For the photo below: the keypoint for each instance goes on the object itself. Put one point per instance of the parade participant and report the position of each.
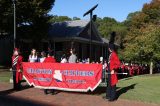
(43, 56)
(113, 66)
(33, 56)
(63, 59)
(16, 68)
(49, 59)
(123, 67)
(131, 70)
(73, 57)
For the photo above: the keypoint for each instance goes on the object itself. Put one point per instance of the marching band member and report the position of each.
(16, 67)
(114, 64)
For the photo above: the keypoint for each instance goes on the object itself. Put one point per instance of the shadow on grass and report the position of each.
(125, 89)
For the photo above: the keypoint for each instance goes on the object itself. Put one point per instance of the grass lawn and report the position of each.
(5, 76)
(145, 88)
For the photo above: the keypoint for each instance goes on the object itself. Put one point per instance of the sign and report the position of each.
(63, 76)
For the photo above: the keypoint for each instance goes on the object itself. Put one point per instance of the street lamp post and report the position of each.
(14, 12)
(91, 15)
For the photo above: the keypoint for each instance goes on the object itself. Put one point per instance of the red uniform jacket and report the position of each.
(114, 65)
(49, 60)
(18, 67)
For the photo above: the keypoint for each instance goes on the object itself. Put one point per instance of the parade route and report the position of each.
(35, 97)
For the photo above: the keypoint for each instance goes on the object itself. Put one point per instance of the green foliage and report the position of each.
(143, 36)
(76, 18)
(32, 17)
(60, 19)
(144, 40)
(107, 25)
(6, 16)
(56, 18)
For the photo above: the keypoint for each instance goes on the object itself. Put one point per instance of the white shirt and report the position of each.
(32, 59)
(42, 59)
(64, 60)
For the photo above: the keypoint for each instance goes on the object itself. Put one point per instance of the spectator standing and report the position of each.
(33, 56)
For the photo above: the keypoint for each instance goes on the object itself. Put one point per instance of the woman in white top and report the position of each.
(43, 56)
(33, 56)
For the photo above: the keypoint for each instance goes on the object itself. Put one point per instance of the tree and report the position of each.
(76, 18)
(142, 39)
(31, 17)
(60, 19)
(130, 17)
(107, 25)
(5, 17)
(153, 11)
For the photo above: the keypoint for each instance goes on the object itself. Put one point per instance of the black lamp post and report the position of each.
(14, 12)
(91, 15)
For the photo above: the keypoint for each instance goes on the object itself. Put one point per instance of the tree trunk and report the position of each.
(151, 67)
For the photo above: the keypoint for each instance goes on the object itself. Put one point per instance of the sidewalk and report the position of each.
(35, 97)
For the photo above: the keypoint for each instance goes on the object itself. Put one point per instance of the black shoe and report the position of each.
(52, 91)
(45, 92)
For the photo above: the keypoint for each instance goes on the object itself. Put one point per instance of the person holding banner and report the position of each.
(43, 56)
(49, 59)
(63, 59)
(33, 56)
(73, 57)
(16, 68)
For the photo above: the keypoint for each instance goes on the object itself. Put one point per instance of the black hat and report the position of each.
(111, 41)
(112, 37)
(111, 46)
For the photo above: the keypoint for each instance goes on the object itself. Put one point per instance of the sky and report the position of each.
(118, 9)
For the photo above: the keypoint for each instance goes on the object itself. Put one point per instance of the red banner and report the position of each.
(68, 77)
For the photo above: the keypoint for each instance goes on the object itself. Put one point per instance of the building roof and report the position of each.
(78, 30)
(106, 41)
(67, 28)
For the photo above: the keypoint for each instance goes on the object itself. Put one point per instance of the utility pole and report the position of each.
(90, 11)
(14, 12)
